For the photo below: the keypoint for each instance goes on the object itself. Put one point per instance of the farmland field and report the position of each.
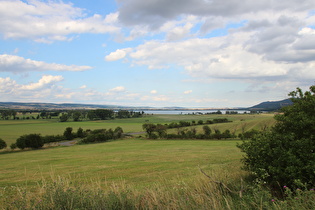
(136, 161)
(10, 130)
(155, 168)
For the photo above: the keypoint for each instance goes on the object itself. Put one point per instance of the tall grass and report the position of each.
(62, 193)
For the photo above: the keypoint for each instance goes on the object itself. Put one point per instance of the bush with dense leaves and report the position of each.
(102, 135)
(285, 156)
(3, 144)
(34, 141)
(53, 138)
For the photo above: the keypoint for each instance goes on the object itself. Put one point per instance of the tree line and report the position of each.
(36, 141)
(66, 115)
(154, 131)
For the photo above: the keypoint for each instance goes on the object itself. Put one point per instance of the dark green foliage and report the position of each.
(206, 130)
(103, 114)
(64, 117)
(68, 133)
(81, 133)
(102, 135)
(161, 130)
(53, 138)
(76, 116)
(155, 131)
(3, 144)
(118, 132)
(286, 154)
(248, 134)
(13, 146)
(34, 141)
(220, 120)
(123, 114)
(149, 128)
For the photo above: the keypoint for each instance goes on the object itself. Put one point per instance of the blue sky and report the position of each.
(190, 53)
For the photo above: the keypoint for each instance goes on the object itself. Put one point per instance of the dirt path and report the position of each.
(68, 143)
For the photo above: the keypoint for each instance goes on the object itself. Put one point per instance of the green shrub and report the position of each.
(68, 133)
(285, 156)
(34, 141)
(3, 144)
(13, 146)
(53, 138)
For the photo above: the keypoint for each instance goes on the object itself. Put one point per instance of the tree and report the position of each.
(76, 116)
(13, 146)
(104, 114)
(123, 114)
(80, 133)
(206, 130)
(68, 133)
(161, 130)
(34, 141)
(64, 117)
(118, 132)
(149, 128)
(285, 155)
(3, 144)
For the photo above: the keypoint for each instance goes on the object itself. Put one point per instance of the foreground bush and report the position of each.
(285, 156)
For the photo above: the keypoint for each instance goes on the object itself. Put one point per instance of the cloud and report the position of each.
(248, 41)
(7, 86)
(83, 87)
(153, 92)
(17, 64)
(156, 13)
(118, 89)
(187, 91)
(50, 21)
(45, 89)
(45, 81)
(118, 54)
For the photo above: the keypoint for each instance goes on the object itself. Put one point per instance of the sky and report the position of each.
(157, 53)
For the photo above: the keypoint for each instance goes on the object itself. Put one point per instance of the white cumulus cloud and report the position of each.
(47, 21)
(45, 81)
(16, 64)
(187, 91)
(117, 55)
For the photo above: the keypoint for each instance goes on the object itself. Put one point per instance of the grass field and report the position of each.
(10, 130)
(136, 161)
(135, 173)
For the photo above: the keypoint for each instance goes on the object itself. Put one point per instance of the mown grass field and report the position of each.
(10, 130)
(134, 173)
(136, 161)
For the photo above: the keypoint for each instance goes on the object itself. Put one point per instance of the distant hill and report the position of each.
(271, 105)
(52, 106)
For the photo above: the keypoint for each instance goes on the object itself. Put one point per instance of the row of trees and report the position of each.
(36, 141)
(75, 115)
(155, 131)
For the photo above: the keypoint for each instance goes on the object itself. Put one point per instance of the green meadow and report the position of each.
(10, 130)
(136, 161)
(134, 172)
